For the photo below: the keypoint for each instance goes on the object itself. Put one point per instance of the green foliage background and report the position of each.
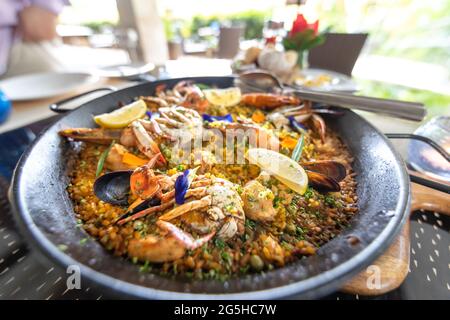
(408, 29)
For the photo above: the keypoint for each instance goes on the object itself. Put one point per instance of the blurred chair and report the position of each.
(229, 39)
(338, 53)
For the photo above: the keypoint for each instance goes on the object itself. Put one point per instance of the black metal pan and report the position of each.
(45, 214)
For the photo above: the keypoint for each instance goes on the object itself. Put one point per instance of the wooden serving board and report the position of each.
(390, 270)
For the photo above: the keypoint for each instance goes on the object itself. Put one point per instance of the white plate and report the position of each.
(44, 85)
(339, 81)
(125, 70)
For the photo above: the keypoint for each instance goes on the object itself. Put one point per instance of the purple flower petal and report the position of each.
(297, 126)
(209, 118)
(181, 187)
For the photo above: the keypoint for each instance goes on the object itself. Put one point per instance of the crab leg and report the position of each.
(302, 117)
(160, 102)
(153, 126)
(172, 100)
(145, 212)
(97, 135)
(197, 188)
(171, 246)
(172, 133)
(184, 237)
(160, 90)
(292, 111)
(166, 120)
(187, 207)
(167, 200)
(180, 116)
(145, 142)
(319, 124)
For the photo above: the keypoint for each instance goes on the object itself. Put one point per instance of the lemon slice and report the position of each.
(223, 97)
(281, 167)
(122, 117)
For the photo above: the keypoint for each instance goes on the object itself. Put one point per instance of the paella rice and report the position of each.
(214, 219)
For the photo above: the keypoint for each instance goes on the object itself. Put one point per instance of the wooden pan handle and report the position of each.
(425, 198)
(393, 265)
(387, 272)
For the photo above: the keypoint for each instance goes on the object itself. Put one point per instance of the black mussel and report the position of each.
(322, 182)
(113, 187)
(329, 168)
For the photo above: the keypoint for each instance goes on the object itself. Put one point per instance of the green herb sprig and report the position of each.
(101, 160)
(297, 153)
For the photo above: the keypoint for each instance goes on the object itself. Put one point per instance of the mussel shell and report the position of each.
(322, 182)
(113, 187)
(329, 168)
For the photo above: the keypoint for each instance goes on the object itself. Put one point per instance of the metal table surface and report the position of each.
(24, 274)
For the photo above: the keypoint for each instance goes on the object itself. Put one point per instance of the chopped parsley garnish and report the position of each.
(309, 193)
(101, 160)
(226, 257)
(146, 267)
(330, 201)
(250, 224)
(219, 243)
(244, 269)
(276, 202)
(299, 233)
(317, 214)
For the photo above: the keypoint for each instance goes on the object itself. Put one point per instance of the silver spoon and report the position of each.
(265, 82)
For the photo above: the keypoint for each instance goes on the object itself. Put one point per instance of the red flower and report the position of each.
(300, 24)
(271, 40)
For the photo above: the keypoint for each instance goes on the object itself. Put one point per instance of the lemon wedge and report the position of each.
(122, 117)
(281, 167)
(223, 97)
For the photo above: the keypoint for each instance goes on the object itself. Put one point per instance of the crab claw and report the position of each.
(188, 241)
(143, 181)
(145, 142)
(172, 245)
(320, 126)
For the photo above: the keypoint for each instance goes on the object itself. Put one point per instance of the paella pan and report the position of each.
(150, 196)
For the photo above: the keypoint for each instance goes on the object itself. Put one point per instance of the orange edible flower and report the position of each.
(289, 143)
(132, 160)
(258, 116)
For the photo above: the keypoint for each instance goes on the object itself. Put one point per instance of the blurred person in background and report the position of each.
(28, 36)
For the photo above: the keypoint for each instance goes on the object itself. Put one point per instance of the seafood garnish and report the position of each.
(209, 118)
(209, 183)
